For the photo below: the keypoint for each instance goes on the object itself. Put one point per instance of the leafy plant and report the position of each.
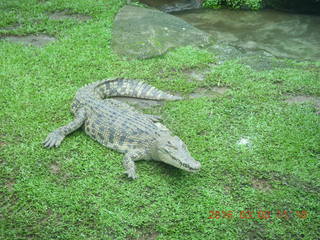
(212, 4)
(236, 4)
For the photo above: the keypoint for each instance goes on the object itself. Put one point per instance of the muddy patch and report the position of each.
(10, 27)
(10, 185)
(62, 176)
(227, 189)
(140, 103)
(261, 184)
(196, 76)
(304, 99)
(257, 231)
(260, 61)
(54, 168)
(34, 40)
(149, 236)
(209, 92)
(199, 74)
(67, 15)
(282, 179)
(47, 216)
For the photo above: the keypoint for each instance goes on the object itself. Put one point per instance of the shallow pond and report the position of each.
(278, 33)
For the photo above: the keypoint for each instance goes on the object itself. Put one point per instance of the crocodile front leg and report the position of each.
(129, 165)
(55, 138)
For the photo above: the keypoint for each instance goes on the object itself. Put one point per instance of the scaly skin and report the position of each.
(119, 126)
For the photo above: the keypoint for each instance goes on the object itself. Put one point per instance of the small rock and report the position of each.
(244, 141)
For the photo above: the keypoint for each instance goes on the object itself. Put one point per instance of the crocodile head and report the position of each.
(173, 151)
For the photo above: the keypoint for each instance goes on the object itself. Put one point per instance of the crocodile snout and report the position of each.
(195, 166)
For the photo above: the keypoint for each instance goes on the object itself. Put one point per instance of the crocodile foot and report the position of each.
(131, 174)
(54, 139)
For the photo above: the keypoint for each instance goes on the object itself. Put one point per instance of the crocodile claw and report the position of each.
(131, 174)
(54, 139)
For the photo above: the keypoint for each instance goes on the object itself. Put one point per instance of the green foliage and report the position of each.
(253, 4)
(236, 4)
(212, 4)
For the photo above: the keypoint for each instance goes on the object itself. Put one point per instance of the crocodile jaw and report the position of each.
(173, 151)
(188, 164)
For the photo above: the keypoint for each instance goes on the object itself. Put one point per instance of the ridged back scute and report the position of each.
(121, 87)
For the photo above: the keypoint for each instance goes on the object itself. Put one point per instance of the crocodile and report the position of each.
(121, 127)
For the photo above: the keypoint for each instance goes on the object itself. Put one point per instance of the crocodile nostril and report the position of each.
(197, 165)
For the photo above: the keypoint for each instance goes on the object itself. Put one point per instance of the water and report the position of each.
(278, 33)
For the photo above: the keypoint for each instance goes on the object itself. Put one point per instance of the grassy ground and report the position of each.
(79, 191)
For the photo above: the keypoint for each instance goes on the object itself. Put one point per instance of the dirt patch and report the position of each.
(47, 217)
(149, 236)
(304, 99)
(54, 168)
(257, 232)
(140, 103)
(62, 176)
(9, 185)
(197, 75)
(227, 189)
(285, 180)
(67, 15)
(220, 90)
(2, 144)
(209, 92)
(261, 184)
(35, 40)
(10, 27)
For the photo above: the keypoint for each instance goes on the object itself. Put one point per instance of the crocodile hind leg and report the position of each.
(129, 165)
(55, 138)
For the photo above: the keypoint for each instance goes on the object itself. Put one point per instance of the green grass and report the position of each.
(79, 191)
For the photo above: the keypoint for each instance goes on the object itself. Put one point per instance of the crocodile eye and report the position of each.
(171, 146)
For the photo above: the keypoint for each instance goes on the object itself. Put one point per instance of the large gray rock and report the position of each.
(145, 33)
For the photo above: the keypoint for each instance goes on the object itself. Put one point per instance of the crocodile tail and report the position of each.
(131, 88)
